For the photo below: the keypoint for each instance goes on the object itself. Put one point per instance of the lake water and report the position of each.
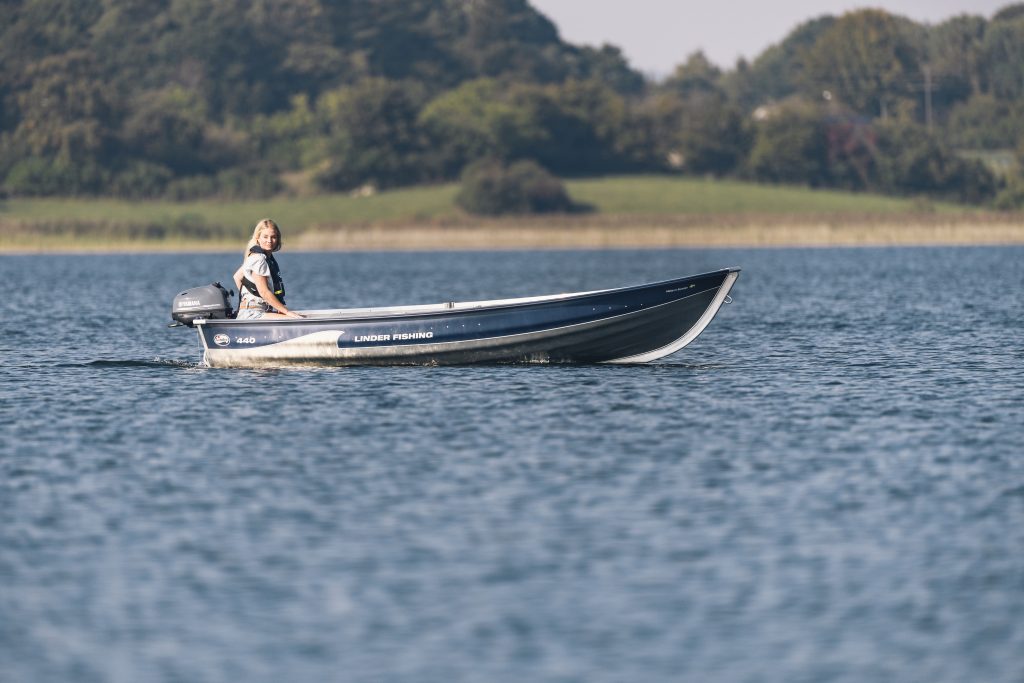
(828, 485)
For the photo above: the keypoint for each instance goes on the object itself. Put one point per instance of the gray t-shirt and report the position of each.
(255, 264)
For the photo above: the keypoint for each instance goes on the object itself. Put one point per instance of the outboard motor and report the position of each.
(209, 301)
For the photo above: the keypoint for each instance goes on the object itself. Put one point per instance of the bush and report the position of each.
(913, 161)
(142, 180)
(791, 146)
(191, 187)
(1011, 197)
(247, 183)
(490, 188)
(36, 177)
(713, 138)
(234, 183)
(984, 122)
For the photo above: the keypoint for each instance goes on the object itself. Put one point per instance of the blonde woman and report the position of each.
(259, 283)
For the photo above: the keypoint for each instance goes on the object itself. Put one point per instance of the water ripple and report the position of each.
(826, 486)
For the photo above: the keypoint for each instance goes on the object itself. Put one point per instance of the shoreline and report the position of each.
(588, 232)
(612, 234)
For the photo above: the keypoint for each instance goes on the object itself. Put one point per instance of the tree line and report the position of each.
(242, 98)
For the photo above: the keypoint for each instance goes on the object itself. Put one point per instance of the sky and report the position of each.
(656, 35)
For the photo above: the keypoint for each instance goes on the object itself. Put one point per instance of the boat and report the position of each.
(634, 324)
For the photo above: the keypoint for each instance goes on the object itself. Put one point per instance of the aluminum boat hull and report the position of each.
(626, 325)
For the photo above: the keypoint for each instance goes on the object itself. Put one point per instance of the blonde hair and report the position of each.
(260, 227)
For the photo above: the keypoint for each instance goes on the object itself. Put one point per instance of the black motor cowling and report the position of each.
(209, 301)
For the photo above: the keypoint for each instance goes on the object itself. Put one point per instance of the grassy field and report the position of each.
(646, 195)
(642, 210)
(422, 203)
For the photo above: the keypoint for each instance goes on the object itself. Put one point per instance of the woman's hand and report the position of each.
(293, 314)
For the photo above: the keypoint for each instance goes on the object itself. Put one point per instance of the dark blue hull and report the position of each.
(632, 324)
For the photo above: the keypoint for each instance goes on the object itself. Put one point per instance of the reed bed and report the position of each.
(562, 232)
(740, 230)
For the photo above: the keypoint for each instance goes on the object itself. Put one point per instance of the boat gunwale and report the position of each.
(447, 308)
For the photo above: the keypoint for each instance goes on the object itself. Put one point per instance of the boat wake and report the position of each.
(155, 363)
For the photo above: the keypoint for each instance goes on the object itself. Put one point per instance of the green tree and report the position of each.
(955, 57)
(1010, 12)
(478, 120)
(695, 77)
(63, 130)
(400, 40)
(791, 146)
(1003, 55)
(605, 65)
(169, 127)
(660, 114)
(289, 139)
(579, 127)
(867, 59)
(510, 38)
(709, 134)
(913, 161)
(65, 113)
(596, 130)
(373, 134)
(713, 137)
(777, 72)
(985, 122)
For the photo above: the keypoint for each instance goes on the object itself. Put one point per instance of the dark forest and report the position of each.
(229, 98)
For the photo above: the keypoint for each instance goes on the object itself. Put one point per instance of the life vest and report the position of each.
(275, 275)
